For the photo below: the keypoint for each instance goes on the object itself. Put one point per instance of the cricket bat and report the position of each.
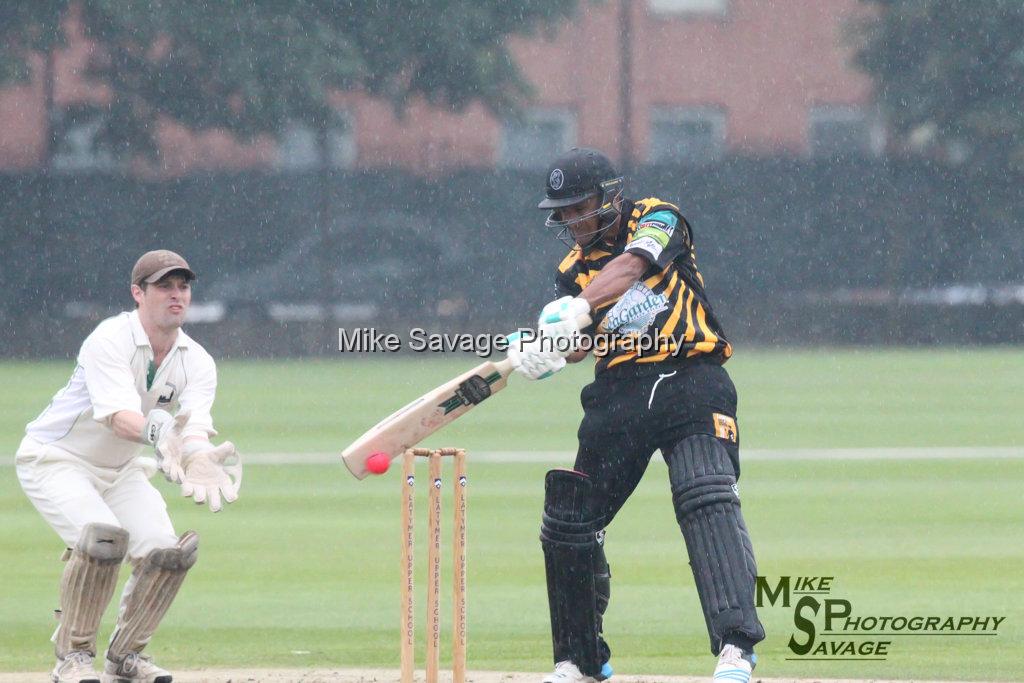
(407, 426)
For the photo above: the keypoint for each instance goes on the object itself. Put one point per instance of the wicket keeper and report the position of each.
(139, 380)
(659, 385)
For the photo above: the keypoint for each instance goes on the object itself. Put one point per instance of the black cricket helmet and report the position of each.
(574, 177)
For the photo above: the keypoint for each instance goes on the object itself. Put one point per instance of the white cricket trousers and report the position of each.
(70, 493)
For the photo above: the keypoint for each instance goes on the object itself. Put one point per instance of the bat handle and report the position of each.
(505, 366)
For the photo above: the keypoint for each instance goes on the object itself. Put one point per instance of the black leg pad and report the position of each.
(568, 536)
(707, 508)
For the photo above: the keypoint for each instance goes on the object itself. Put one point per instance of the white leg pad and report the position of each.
(149, 593)
(87, 586)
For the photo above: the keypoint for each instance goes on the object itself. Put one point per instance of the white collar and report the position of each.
(142, 339)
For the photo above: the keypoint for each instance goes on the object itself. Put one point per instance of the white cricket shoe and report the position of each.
(135, 668)
(734, 666)
(75, 668)
(567, 672)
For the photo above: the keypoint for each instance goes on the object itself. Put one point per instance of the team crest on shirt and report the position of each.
(635, 310)
(166, 394)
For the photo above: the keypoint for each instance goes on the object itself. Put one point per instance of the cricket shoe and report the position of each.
(134, 668)
(567, 672)
(734, 666)
(75, 668)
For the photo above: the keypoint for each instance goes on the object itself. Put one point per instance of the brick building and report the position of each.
(702, 78)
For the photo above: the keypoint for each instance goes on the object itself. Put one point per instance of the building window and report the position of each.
(843, 130)
(686, 135)
(298, 149)
(531, 142)
(689, 6)
(77, 145)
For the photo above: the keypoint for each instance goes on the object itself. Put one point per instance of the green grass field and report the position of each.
(303, 570)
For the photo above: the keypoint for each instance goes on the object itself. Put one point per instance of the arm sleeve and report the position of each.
(108, 378)
(565, 285)
(198, 395)
(660, 237)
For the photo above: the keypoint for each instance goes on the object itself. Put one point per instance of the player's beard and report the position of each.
(169, 321)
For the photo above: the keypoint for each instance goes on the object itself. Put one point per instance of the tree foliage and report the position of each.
(27, 26)
(950, 74)
(252, 66)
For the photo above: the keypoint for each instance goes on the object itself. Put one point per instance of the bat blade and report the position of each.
(414, 422)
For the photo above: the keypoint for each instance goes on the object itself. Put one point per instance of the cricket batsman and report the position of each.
(139, 381)
(659, 385)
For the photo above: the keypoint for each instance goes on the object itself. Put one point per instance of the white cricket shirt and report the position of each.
(114, 373)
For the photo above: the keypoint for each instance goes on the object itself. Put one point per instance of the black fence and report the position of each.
(793, 251)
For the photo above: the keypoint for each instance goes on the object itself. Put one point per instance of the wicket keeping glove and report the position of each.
(533, 359)
(210, 473)
(164, 433)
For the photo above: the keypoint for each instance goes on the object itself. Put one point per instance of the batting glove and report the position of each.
(533, 359)
(561, 320)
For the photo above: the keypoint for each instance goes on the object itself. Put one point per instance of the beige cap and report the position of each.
(153, 265)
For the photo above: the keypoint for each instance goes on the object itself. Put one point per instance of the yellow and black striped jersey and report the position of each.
(664, 318)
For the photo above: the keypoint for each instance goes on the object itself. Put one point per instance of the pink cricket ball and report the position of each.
(378, 462)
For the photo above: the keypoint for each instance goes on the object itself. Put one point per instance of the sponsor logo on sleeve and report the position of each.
(647, 243)
(655, 234)
(664, 221)
(664, 227)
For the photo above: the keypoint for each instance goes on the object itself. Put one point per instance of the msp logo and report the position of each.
(828, 628)
(635, 310)
(556, 179)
